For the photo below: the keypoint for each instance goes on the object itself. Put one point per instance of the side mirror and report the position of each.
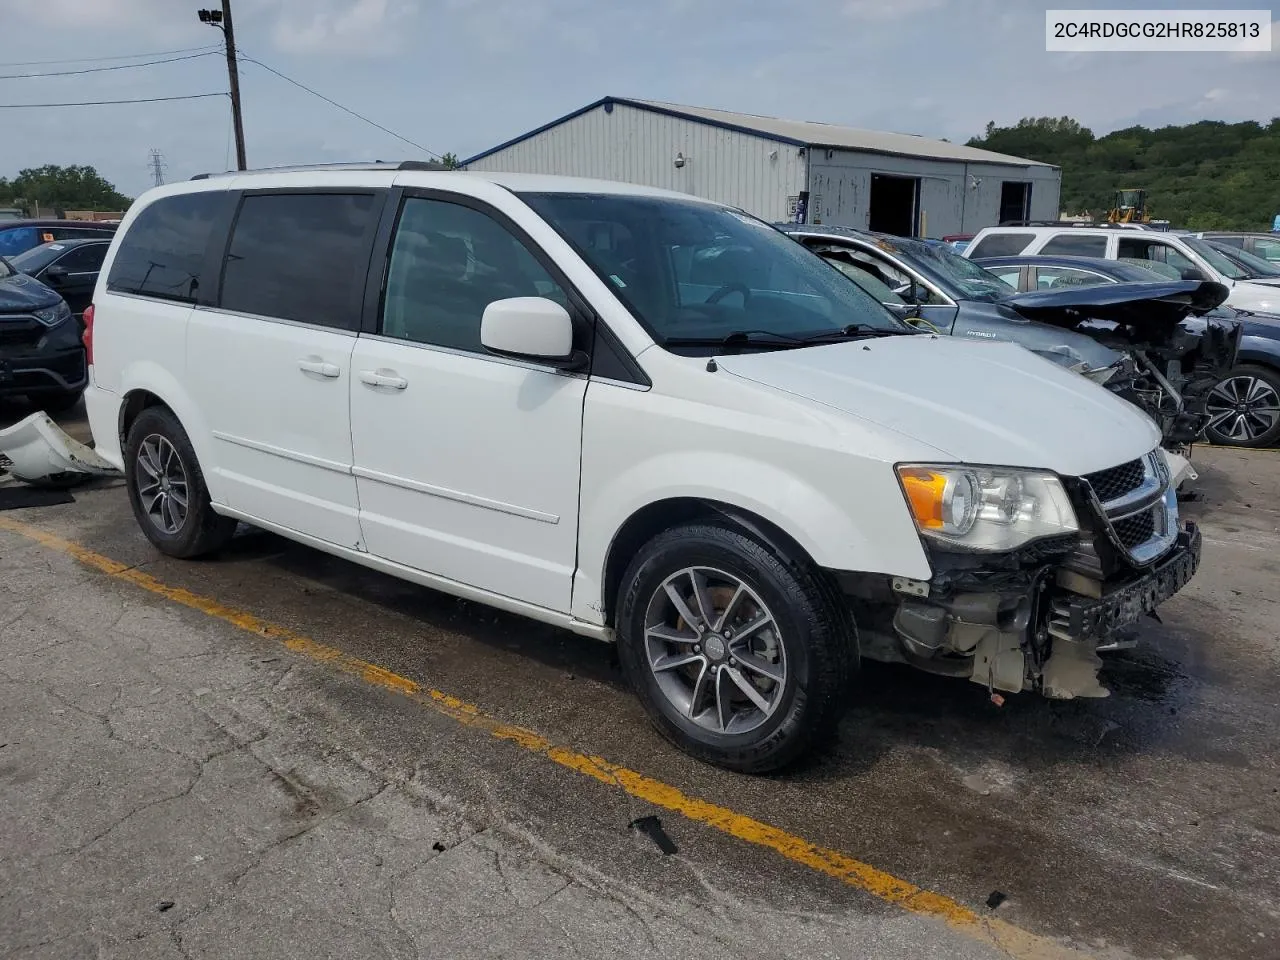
(531, 328)
(55, 276)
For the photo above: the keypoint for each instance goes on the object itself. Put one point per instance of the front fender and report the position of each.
(862, 524)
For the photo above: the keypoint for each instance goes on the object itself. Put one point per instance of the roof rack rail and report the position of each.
(366, 165)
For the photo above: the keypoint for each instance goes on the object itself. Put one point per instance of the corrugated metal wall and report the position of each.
(840, 190)
(639, 146)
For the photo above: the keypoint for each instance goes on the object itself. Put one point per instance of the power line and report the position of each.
(103, 103)
(126, 56)
(120, 66)
(335, 103)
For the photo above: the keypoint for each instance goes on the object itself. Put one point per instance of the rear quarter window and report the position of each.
(162, 253)
(301, 256)
(1000, 245)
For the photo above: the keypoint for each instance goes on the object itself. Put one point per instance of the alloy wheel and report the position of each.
(715, 650)
(1243, 408)
(161, 482)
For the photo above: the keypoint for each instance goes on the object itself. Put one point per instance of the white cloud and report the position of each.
(883, 11)
(354, 27)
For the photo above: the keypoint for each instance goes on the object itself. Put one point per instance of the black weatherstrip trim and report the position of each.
(215, 252)
(379, 256)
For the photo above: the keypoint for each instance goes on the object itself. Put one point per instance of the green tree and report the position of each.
(1206, 175)
(450, 160)
(53, 187)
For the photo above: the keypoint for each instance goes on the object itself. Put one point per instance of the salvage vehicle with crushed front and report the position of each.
(637, 415)
(1150, 342)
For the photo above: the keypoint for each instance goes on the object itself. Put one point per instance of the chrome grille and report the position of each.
(1141, 507)
(1115, 482)
(1135, 530)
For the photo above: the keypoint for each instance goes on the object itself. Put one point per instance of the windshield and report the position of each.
(694, 271)
(974, 282)
(1215, 259)
(1253, 265)
(37, 258)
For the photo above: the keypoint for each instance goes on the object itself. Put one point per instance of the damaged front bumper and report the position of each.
(38, 452)
(1037, 617)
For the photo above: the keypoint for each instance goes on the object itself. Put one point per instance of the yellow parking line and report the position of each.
(993, 931)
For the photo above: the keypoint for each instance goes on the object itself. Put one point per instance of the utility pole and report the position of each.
(222, 20)
(157, 167)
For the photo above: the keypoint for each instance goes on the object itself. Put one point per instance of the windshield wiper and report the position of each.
(785, 341)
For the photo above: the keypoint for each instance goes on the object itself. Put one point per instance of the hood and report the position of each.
(1251, 295)
(974, 402)
(998, 321)
(1133, 313)
(20, 292)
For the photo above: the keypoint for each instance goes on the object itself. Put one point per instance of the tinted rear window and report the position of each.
(162, 253)
(1067, 245)
(301, 257)
(1000, 245)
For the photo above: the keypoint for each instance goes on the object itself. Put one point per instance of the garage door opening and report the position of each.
(894, 202)
(1015, 202)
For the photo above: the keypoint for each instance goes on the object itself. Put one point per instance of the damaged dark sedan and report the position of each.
(1151, 342)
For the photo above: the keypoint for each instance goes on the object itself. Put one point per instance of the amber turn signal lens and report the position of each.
(925, 490)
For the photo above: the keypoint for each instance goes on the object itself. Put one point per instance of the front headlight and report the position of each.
(52, 316)
(986, 508)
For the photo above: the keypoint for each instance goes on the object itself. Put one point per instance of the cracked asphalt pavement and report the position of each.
(172, 785)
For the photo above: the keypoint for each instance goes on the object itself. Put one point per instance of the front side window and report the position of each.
(1010, 276)
(448, 262)
(693, 272)
(1132, 248)
(1267, 249)
(162, 254)
(1075, 245)
(300, 256)
(1000, 245)
(85, 258)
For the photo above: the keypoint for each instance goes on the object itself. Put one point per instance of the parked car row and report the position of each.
(48, 271)
(1155, 342)
(647, 418)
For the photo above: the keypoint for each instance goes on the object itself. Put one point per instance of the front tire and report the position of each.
(740, 653)
(167, 490)
(1244, 409)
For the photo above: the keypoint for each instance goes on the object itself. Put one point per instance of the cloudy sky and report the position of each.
(463, 75)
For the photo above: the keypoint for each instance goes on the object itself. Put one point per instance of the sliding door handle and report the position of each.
(383, 378)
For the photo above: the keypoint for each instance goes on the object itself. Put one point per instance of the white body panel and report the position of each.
(470, 470)
(508, 481)
(276, 403)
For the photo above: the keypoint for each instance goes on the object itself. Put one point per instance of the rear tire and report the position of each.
(693, 678)
(1245, 408)
(167, 490)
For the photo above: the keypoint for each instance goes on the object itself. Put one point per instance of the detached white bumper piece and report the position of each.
(41, 453)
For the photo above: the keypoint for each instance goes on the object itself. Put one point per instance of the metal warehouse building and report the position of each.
(788, 169)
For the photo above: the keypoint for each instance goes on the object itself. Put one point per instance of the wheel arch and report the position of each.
(651, 519)
(149, 385)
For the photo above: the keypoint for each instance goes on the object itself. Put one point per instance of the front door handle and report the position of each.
(316, 365)
(383, 378)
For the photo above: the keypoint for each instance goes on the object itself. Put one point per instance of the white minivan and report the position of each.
(644, 417)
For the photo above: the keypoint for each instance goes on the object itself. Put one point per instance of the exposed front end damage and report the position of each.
(1173, 355)
(38, 452)
(1037, 618)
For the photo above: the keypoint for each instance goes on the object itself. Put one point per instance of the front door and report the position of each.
(270, 367)
(467, 465)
